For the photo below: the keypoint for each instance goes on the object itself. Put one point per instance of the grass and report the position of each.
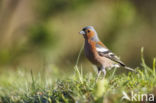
(22, 87)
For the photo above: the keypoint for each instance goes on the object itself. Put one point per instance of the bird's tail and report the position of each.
(128, 68)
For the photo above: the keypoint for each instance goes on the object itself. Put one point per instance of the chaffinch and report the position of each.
(98, 54)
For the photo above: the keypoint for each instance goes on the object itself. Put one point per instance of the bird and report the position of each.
(98, 54)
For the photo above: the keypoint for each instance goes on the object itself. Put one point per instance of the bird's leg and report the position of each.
(99, 72)
(104, 72)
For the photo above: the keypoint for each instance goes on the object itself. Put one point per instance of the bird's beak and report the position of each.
(82, 32)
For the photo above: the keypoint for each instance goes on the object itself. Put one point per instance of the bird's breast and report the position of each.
(91, 53)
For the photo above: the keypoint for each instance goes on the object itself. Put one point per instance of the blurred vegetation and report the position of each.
(36, 34)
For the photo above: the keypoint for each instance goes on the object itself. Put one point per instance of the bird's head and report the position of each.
(89, 32)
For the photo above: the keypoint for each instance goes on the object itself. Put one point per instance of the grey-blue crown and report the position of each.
(88, 27)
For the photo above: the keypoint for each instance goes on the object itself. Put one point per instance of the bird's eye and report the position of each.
(88, 31)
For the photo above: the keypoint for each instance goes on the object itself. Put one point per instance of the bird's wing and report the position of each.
(104, 52)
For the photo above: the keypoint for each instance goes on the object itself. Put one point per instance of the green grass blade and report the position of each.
(78, 57)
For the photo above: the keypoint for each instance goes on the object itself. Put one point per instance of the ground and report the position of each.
(79, 87)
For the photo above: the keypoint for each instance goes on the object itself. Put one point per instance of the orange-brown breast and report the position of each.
(90, 52)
